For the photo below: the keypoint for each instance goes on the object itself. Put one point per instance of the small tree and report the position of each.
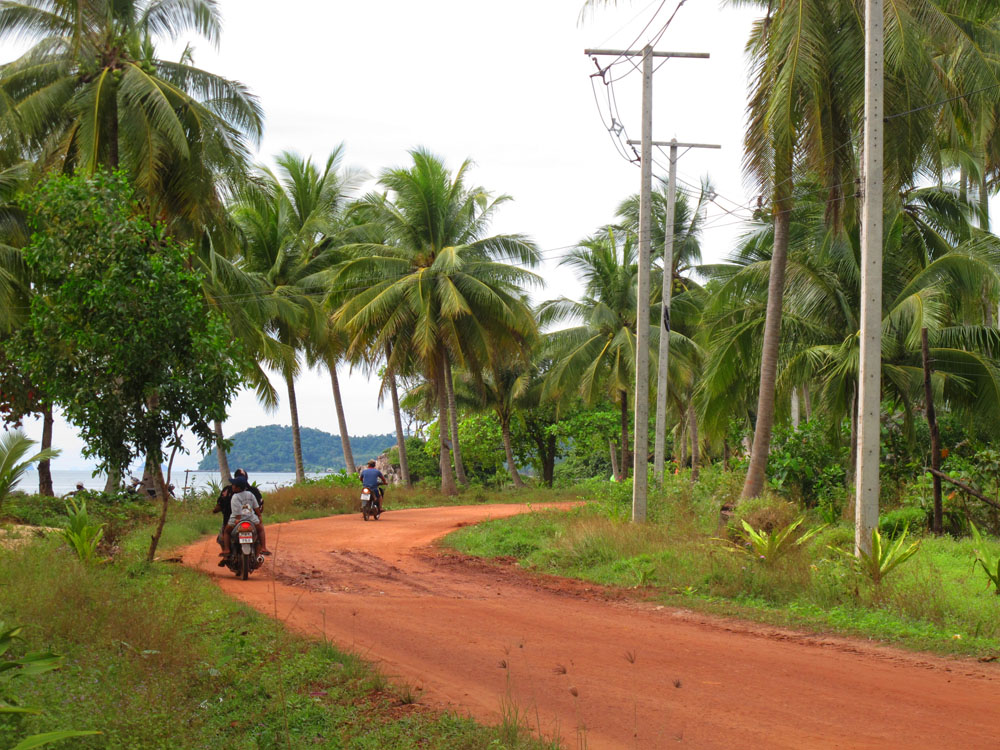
(119, 334)
(14, 447)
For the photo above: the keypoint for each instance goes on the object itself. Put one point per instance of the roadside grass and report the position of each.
(130, 519)
(157, 657)
(683, 557)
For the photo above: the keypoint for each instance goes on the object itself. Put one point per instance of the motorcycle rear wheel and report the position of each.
(244, 566)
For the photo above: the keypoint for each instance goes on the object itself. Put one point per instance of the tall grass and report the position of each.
(156, 657)
(676, 557)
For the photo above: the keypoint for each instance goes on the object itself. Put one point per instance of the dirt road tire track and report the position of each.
(469, 635)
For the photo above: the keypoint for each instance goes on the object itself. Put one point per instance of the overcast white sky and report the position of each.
(505, 84)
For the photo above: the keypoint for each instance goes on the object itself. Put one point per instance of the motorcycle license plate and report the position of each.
(246, 538)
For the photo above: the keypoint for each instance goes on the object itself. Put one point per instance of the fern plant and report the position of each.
(768, 546)
(883, 558)
(989, 563)
(82, 535)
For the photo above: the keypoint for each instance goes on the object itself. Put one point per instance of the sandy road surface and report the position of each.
(468, 634)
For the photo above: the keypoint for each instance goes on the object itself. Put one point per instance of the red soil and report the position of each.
(473, 636)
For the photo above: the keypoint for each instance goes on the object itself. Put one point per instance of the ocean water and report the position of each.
(64, 481)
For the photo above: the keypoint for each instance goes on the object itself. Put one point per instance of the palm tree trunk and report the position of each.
(852, 457)
(725, 454)
(453, 422)
(796, 413)
(549, 460)
(345, 438)
(625, 462)
(935, 434)
(807, 402)
(695, 448)
(404, 467)
(682, 441)
(293, 408)
(45, 467)
(614, 460)
(511, 465)
(757, 471)
(227, 478)
(447, 480)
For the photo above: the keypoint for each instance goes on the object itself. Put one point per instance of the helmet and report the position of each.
(240, 483)
(241, 473)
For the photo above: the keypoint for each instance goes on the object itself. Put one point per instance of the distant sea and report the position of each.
(64, 481)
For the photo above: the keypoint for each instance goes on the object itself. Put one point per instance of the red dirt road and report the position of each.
(467, 634)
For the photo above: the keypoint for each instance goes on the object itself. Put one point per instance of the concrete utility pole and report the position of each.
(660, 434)
(640, 452)
(866, 488)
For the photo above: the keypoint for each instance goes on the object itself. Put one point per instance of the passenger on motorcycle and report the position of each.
(223, 504)
(372, 478)
(244, 507)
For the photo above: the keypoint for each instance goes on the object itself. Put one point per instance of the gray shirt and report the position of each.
(244, 506)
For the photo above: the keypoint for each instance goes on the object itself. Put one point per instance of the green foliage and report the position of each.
(14, 447)
(269, 448)
(808, 463)
(119, 335)
(990, 563)
(585, 434)
(769, 546)
(882, 558)
(421, 462)
(82, 535)
(29, 665)
(898, 521)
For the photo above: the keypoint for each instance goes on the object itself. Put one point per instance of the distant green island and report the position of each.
(269, 448)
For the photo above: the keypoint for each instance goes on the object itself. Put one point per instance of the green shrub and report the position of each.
(990, 563)
(765, 513)
(82, 535)
(896, 522)
(882, 558)
(769, 546)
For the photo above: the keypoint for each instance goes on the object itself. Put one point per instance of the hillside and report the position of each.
(269, 448)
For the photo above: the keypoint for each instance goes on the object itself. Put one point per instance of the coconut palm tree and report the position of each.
(439, 288)
(596, 359)
(807, 69)
(286, 218)
(92, 93)
(14, 459)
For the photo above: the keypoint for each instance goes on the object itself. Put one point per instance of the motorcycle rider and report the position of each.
(223, 504)
(372, 478)
(244, 507)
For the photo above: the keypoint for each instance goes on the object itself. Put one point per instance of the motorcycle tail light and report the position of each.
(245, 526)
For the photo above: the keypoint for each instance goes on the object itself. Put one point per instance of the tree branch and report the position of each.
(965, 488)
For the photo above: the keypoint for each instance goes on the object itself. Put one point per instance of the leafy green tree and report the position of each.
(119, 335)
(438, 289)
(93, 94)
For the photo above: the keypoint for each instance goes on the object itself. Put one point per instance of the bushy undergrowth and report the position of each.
(156, 657)
(685, 555)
